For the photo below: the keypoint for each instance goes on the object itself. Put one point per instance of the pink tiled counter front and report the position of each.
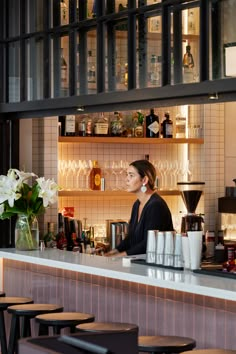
(156, 309)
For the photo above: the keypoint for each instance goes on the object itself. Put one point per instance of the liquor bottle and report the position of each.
(188, 64)
(126, 74)
(117, 125)
(95, 177)
(191, 23)
(64, 12)
(60, 237)
(74, 246)
(101, 126)
(152, 125)
(89, 127)
(70, 125)
(82, 127)
(167, 126)
(50, 237)
(180, 126)
(154, 74)
(63, 69)
(91, 68)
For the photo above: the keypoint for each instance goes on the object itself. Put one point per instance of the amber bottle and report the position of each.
(95, 177)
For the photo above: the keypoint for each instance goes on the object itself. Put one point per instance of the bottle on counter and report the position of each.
(74, 246)
(82, 127)
(117, 125)
(167, 126)
(50, 237)
(61, 238)
(89, 127)
(101, 126)
(61, 125)
(95, 177)
(70, 126)
(152, 125)
(180, 126)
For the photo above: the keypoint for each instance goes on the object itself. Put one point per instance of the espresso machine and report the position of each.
(191, 193)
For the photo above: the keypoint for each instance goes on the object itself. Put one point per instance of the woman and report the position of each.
(149, 212)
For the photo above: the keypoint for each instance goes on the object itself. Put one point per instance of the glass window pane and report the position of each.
(35, 15)
(60, 66)
(121, 55)
(14, 72)
(91, 61)
(64, 12)
(154, 51)
(14, 18)
(224, 54)
(190, 45)
(34, 69)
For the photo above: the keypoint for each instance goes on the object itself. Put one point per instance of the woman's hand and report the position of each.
(115, 253)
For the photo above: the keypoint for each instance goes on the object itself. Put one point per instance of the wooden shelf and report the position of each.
(119, 194)
(124, 140)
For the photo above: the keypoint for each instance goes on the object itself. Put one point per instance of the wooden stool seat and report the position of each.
(27, 312)
(212, 351)
(107, 327)
(33, 310)
(165, 344)
(6, 301)
(62, 320)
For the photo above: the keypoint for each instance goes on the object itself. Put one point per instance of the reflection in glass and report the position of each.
(14, 18)
(121, 55)
(64, 12)
(64, 67)
(190, 45)
(91, 62)
(34, 69)
(154, 53)
(14, 72)
(35, 12)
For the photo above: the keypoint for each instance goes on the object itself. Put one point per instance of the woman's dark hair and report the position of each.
(145, 168)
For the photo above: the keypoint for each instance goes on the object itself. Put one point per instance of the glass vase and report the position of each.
(26, 233)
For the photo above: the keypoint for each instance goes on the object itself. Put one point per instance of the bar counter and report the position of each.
(160, 301)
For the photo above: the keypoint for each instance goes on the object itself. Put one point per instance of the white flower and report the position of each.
(48, 191)
(8, 190)
(20, 176)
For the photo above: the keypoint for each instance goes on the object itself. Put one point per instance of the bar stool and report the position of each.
(62, 320)
(27, 312)
(107, 327)
(212, 351)
(4, 303)
(165, 344)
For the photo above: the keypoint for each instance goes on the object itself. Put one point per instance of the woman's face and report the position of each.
(133, 180)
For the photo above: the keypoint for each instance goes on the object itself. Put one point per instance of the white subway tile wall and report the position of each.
(206, 164)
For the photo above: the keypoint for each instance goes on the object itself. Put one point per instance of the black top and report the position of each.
(155, 216)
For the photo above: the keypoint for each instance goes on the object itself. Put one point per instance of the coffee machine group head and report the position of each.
(191, 193)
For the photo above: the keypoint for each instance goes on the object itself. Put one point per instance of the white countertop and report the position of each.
(118, 268)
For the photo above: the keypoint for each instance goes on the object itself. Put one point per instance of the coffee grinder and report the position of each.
(191, 193)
